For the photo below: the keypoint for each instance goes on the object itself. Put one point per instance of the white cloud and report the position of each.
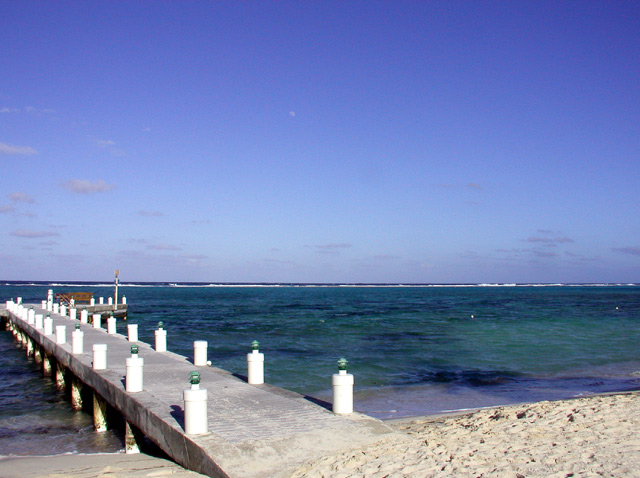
(631, 250)
(150, 213)
(29, 234)
(105, 143)
(84, 186)
(164, 247)
(9, 110)
(12, 149)
(21, 197)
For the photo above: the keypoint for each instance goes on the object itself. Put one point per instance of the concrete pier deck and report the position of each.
(254, 431)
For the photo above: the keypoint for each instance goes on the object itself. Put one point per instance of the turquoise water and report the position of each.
(412, 350)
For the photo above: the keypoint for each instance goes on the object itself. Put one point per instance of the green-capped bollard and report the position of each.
(255, 365)
(161, 338)
(342, 389)
(111, 324)
(77, 340)
(135, 365)
(195, 407)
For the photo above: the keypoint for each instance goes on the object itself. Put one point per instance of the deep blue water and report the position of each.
(412, 350)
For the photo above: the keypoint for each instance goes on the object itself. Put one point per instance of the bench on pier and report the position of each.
(65, 297)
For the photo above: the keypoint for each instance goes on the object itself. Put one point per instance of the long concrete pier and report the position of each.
(254, 430)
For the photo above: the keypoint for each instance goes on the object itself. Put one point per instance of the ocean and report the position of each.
(413, 349)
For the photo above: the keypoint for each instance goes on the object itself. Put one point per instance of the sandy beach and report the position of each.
(587, 437)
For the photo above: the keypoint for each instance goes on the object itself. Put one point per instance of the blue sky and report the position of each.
(327, 141)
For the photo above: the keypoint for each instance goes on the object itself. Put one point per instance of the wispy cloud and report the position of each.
(109, 145)
(163, 247)
(9, 110)
(21, 197)
(549, 240)
(150, 213)
(29, 234)
(84, 186)
(631, 250)
(6, 209)
(331, 248)
(13, 149)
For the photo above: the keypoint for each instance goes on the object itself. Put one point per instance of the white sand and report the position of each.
(586, 437)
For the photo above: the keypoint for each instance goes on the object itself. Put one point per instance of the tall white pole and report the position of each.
(115, 301)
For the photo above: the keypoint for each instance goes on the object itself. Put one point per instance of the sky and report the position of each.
(320, 141)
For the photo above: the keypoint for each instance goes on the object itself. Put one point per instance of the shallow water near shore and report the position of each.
(412, 350)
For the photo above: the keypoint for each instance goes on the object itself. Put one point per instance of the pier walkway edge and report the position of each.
(254, 430)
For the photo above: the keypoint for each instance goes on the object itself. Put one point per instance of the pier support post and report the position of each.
(37, 355)
(60, 383)
(76, 394)
(99, 413)
(200, 353)
(255, 365)
(342, 390)
(131, 438)
(46, 365)
(29, 347)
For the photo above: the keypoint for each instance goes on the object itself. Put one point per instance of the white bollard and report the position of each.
(19, 300)
(135, 365)
(63, 310)
(342, 390)
(92, 301)
(161, 338)
(61, 334)
(111, 325)
(31, 316)
(124, 300)
(109, 300)
(101, 300)
(56, 308)
(200, 353)
(195, 407)
(99, 356)
(84, 316)
(43, 304)
(77, 341)
(255, 365)
(97, 319)
(39, 320)
(73, 314)
(132, 332)
(50, 295)
(48, 325)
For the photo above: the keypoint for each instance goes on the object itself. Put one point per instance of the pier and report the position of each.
(253, 430)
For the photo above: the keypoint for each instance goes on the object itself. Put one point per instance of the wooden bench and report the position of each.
(65, 297)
